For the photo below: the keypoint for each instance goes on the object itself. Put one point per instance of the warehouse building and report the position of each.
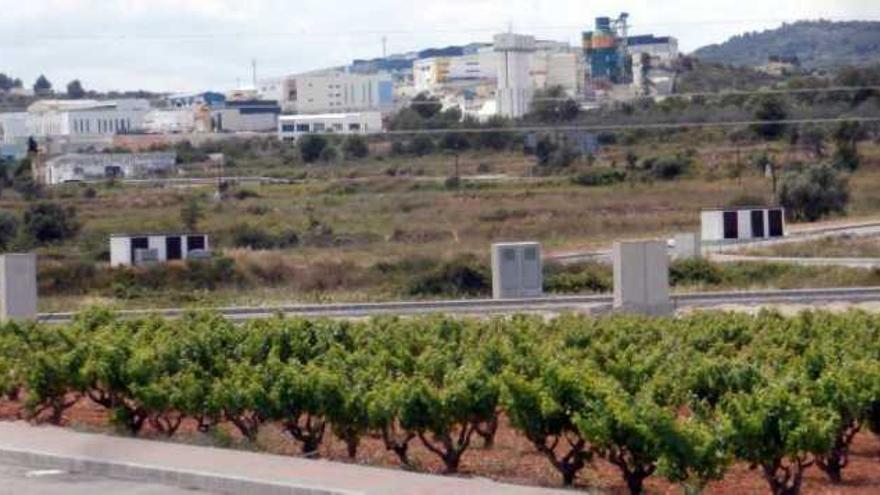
(291, 127)
(742, 224)
(83, 167)
(332, 91)
(140, 249)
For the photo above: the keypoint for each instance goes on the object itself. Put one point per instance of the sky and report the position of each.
(184, 45)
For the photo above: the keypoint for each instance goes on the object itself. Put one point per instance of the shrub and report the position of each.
(697, 271)
(463, 276)
(810, 193)
(355, 148)
(50, 222)
(573, 279)
(329, 154)
(253, 237)
(243, 194)
(421, 145)
(8, 229)
(669, 168)
(601, 177)
(311, 147)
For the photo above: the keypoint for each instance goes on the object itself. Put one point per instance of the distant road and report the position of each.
(594, 304)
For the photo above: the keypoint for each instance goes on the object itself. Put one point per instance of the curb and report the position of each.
(152, 474)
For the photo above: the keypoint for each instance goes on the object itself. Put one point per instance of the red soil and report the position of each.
(512, 459)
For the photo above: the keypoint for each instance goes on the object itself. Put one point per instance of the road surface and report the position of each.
(591, 304)
(16, 480)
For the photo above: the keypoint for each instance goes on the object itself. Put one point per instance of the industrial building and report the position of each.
(662, 49)
(291, 127)
(246, 116)
(139, 249)
(515, 86)
(434, 74)
(210, 99)
(50, 118)
(333, 91)
(742, 224)
(103, 166)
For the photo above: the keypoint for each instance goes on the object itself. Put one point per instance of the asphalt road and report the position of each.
(16, 480)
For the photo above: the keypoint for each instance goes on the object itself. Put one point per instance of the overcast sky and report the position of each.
(176, 45)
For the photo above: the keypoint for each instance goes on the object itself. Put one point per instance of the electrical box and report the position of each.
(688, 246)
(517, 271)
(18, 287)
(641, 278)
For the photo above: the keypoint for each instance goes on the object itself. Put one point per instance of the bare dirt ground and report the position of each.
(512, 459)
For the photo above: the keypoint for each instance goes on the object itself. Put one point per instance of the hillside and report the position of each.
(817, 44)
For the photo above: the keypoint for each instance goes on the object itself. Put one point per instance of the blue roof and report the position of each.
(647, 39)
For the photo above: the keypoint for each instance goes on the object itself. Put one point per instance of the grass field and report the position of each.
(351, 217)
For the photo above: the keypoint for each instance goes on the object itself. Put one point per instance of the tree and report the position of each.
(311, 147)
(426, 106)
(846, 142)
(421, 145)
(50, 222)
(8, 229)
(355, 148)
(6, 82)
(191, 213)
(770, 109)
(75, 90)
(812, 192)
(779, 431)
(329, 154)
(554, 106)
(42, 86)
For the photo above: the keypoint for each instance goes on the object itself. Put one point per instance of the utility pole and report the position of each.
(384, 46)
(254, 71)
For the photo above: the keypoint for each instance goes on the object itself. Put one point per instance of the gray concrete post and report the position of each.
(641, 278)
(18, 287)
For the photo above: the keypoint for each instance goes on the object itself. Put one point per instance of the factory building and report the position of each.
(209, 99)
(246, 116)
(292, 127)
(50, 118)
(662, 50)
(82, 167)
(433, 74)
(141, 249)
(515, 86)
(334, 91)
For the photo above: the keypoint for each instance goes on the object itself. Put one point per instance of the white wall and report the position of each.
(120, 251)
(120, 247)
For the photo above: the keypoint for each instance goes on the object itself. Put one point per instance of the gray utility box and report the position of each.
(688, 246)
(18, 287)
(641, 278)
(517, 271)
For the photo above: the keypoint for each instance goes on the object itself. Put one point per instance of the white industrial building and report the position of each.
(138, 249)
(515, 87)
(334, 91)
(176, 121)
(52, 118)
(101, 166)
(742, 224)
(433, 74)
(291, 127)
(558, 67)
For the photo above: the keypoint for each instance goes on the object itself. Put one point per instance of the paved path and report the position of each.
(225, 471)
(16, 479)
(844, 262)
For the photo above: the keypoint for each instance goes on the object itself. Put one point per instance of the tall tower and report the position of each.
(515, 90)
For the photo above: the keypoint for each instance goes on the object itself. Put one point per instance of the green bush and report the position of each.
(599, 177)
(812, 192)
(463, 276)
(697, 271)
(50, 222)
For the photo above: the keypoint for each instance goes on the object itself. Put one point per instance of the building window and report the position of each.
(302, 128)
(337, 127)
(319, 127)
(288, 128)
(354, 127)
